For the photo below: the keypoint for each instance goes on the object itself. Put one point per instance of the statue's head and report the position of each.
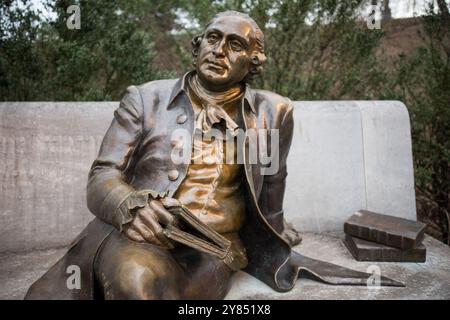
(229, 51)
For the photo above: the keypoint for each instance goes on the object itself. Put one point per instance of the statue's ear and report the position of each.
(195, 43)
(196, 40)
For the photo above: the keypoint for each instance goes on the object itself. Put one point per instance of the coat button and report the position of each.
(181, 118)
(173, 174)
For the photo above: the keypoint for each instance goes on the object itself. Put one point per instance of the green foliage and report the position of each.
(423, 81)
(44, 60)
(19, 68)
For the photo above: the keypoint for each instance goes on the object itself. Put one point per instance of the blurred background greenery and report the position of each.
(317, 50)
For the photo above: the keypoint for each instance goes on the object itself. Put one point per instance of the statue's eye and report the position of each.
(235, 45)
(212, 38)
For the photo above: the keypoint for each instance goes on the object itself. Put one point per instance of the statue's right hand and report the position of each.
(146, 225)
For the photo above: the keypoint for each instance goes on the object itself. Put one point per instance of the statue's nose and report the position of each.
(219, 50)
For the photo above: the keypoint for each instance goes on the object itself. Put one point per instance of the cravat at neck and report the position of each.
(212, 105)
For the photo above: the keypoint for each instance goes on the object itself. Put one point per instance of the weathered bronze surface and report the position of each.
(384, 229)
(135, 183)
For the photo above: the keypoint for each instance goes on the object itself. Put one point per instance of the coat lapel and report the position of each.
(251, 161)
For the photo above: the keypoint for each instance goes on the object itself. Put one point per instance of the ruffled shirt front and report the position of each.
(212, 188)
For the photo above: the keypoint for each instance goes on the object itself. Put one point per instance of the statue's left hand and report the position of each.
(146, 225)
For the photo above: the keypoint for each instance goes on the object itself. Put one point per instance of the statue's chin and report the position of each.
(215, 79)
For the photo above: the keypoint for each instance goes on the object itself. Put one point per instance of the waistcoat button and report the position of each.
(181, 118)
(173, 174)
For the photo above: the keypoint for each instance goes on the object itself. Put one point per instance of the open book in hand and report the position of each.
(201, 237)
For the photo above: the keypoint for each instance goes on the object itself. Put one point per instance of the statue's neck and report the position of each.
(214, 97)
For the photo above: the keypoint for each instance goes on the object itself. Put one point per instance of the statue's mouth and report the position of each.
(217, 66)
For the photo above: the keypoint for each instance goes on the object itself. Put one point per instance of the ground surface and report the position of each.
(430, 280)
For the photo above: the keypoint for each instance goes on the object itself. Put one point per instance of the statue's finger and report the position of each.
(134, 235)
(150, 219)
(147, 233)
(164, 216)
(147, 216)
(170, 202)
(158, 231)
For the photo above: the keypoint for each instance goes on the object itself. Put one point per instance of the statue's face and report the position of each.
(225, 52)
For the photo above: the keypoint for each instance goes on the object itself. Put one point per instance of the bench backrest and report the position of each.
(345, 156)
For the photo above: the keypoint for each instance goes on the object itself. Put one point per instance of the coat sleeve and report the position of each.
(272, 192)
(109, 196)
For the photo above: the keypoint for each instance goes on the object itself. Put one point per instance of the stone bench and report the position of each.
(345, 156)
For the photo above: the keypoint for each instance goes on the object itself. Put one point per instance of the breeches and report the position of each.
(125, 269)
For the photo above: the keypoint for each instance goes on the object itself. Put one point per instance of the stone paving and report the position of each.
(429, 280)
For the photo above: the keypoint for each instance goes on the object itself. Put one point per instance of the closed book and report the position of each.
(363, 250)
(199, 236)
(384, 229)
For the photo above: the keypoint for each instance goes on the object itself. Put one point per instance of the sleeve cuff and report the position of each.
(135, 199)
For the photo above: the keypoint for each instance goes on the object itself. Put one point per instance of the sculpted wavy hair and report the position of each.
(257, 58)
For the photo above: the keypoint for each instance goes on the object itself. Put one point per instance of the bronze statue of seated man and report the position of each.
(125, 253)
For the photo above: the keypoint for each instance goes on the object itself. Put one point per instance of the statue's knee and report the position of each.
(150, 281)
(134, 281)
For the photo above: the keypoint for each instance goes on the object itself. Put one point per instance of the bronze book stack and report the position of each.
(371, 236)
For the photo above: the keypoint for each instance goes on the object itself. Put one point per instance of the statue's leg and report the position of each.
(125, 269)
(207, 277)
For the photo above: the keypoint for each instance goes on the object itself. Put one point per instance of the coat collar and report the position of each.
(181, 87)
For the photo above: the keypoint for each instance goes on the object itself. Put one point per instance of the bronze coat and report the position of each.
(135, 155)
